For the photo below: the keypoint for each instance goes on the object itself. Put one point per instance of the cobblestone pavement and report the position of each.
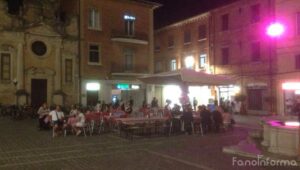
(22, 146)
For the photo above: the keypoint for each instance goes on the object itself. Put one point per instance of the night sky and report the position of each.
(175, 10)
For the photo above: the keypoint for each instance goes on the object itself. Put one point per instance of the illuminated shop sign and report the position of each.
(92, 86)
(124, 86)
(291, 86)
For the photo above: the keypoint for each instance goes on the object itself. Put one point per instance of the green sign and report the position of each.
(123, 86)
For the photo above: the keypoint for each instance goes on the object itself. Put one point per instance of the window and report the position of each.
(173, 65)
(202, 32)
(39, 48)
(298, 23)
(255, 99)
(189, 62)
(5, 66)
(297, 61)
(255, 51)
(68, 70)
(255, 13)
(225, 22)
(202, 61)
(14, 6)
(187, 37)
(225, 56)
(94, 54)
(129, 24)
(128, 55)
(170, 42)
(94, 19)
(158, 66)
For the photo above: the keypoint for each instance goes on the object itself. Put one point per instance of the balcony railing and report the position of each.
(120, 68)
(137, 37)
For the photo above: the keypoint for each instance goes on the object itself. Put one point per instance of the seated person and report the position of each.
(80, 122)
(57, 118)
(43, 113)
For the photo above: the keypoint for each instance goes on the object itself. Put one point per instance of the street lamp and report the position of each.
(274, 30)
(189, 61)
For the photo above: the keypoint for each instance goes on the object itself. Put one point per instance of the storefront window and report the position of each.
(291, 97)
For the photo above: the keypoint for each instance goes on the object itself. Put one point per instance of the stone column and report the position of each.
(20, 67)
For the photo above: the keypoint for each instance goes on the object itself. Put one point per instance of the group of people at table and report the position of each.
(77, 118)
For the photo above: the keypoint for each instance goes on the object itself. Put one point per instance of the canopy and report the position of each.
(189, 77)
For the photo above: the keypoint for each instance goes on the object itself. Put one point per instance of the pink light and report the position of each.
(292, 124)
(291, 86)
(275, 30)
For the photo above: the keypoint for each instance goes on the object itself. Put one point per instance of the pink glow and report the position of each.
(292, 124)
(275, 30)
(291, 86)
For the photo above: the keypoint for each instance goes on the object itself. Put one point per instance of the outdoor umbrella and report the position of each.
(187, 77)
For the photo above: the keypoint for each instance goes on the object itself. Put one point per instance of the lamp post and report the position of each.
(274, 31)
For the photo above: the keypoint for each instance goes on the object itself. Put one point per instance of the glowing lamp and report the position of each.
(189, 61)
(297, 92)
(135, 87)
(291, 86)
(275, 30)
(92, 86)
(292, 124)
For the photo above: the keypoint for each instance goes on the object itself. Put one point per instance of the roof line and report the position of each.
(178, 23)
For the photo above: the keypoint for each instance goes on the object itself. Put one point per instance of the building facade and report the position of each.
(116, 47)
(238, 45)
(38, 53)
(184, 44)
(287, 56)
(240, 48)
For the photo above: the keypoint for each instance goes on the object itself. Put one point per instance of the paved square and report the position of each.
(22, 146)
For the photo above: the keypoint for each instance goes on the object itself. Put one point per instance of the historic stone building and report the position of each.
(116, 47)
(38, 53)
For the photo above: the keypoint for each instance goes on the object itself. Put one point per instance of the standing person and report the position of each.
(131, 102)
(195, 103)
(167, 109)
(154, 103)
(43, 113)
(57, 117)
(187, 118)
(217, 118)
(205, 119)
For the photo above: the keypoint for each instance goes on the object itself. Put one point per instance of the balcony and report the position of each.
(137, 38)
(121, 70)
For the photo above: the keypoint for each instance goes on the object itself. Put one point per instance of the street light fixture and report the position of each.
(275, 30)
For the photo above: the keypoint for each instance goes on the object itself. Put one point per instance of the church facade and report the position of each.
(38, 53)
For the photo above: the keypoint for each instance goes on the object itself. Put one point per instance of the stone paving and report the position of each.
(22, 146)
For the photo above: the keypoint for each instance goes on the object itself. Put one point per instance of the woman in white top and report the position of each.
(57, 117)
(80, 122)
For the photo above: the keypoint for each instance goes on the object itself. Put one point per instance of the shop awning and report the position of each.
(189, 77)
